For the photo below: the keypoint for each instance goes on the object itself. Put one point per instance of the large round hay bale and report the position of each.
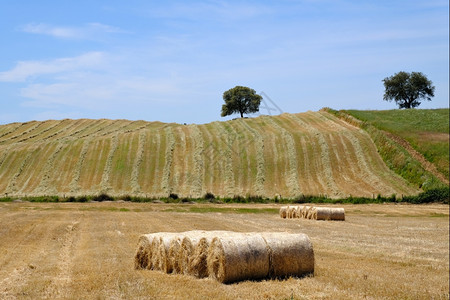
(187, 248)
(289, 254)
(238, 257)
(173, 254)
(164, 262)
(338, 214)
(197, 264)
(283, 212)
(142, 259)
(154, 258)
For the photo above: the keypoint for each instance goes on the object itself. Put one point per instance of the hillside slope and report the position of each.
(426, 130)
(310, 153)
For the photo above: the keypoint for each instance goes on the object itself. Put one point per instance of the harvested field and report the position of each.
(313, 153)
(74, 250)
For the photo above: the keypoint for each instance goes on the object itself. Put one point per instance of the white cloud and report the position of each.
(26, 69)
(87, 31)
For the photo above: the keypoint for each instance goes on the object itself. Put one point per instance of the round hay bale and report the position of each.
(283, 212)
(187, 247)
(190, 256)
(305, 211)
(142, 259)
(298, 213)
(290, 211)
(311, 213)
(197, 263)
(164, 262)
(322, 213)
(294, 212)
(237, 257)
(173, 254)
(154, 259)
(289, 254)
(338, 214)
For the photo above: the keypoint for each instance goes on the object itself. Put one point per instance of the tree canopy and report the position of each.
(406, 89)
(240, 99)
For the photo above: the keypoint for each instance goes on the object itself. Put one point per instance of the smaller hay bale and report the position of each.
(238, 257)
(291, 211)
(306, 212)
(338, 214)
(283, 212)
(298, 213)
(143, 257)
(322, 213)
(289, 254)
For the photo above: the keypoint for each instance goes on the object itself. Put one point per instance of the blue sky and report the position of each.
(172, 60)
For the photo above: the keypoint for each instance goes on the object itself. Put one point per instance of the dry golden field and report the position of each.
(86, 251)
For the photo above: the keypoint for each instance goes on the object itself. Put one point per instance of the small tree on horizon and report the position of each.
(406, 89)
(242, 100)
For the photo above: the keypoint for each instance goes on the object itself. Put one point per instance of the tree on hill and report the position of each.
(240, 99)
(407, 89)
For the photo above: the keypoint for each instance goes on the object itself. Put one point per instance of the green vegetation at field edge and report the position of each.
(437, 195)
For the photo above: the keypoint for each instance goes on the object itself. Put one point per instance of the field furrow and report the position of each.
(74, 186)
(12, 187)
(178, 160)
(260, 160)
(326, 166)
(93, 166)
(63, 130)
(197, 174)
(122, 162)
(46, 126)
(210, 155)
(44, 186)
(135, 187)
(168, 158)
(243, 159)
(105, 184)
(227, 140)
(160, 144)
(21, 132)
(8, 129)
(292, 175)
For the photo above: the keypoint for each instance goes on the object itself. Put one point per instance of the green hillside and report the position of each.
(427, 130)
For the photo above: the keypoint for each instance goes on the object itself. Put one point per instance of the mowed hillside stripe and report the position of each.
(312, 153)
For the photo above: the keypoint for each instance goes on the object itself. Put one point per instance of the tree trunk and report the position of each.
(242, 114)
